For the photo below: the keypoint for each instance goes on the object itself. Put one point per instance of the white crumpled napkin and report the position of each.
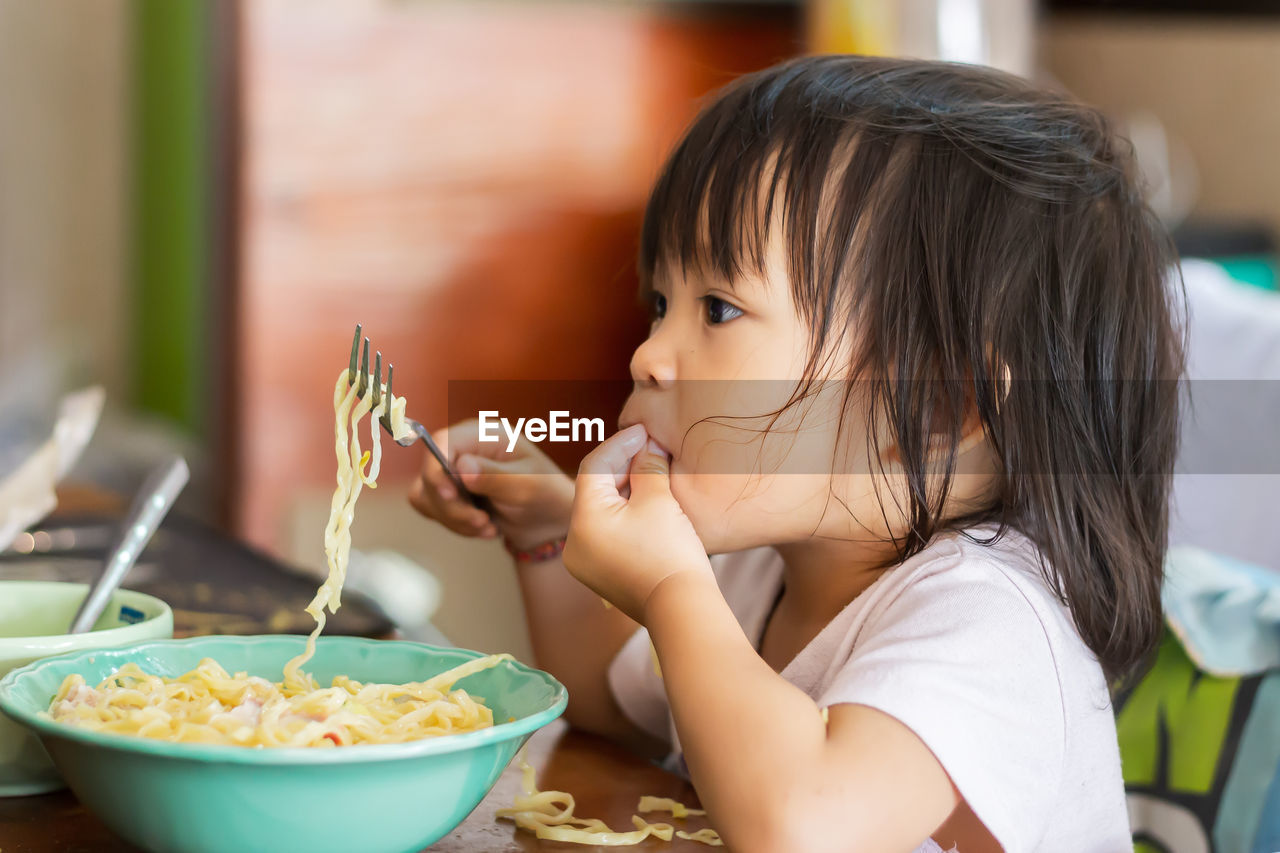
(27, 493)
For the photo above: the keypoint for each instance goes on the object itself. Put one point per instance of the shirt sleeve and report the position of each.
(962, 658)
(637, 687)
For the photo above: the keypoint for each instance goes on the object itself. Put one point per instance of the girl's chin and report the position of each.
(710, 530)
(708, 513)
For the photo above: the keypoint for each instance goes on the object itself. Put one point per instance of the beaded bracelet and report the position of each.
(538, 553)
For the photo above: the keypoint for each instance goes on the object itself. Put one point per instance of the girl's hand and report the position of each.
(531, 496)
(623, 547)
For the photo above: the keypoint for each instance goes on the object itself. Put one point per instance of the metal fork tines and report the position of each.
(361, 377)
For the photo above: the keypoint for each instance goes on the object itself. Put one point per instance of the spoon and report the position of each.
(149, 508)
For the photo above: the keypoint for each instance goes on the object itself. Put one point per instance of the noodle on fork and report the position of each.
(209, 705)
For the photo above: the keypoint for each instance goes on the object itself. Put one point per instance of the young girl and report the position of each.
(911, 379)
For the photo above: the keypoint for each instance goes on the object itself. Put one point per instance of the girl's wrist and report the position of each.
(533, 552)
(553, 524)
(678, 590)
(535, 543)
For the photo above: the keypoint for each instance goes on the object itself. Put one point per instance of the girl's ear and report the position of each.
(1006, 383)
(999, 369)
(972, 433)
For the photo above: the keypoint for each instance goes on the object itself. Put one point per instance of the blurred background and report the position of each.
(198, 200)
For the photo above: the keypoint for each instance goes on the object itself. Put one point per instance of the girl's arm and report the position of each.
(575, 637)
(773, 775)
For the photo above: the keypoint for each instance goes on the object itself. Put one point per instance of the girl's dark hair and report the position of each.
(964, 228)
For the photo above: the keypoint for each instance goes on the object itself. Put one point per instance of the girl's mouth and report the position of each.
(661, 448)
(623, 424)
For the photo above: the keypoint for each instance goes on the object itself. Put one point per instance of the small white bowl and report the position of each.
(34, 616)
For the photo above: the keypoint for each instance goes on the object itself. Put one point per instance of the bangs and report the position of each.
(773, 158)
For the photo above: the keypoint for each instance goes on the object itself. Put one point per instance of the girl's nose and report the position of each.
(653, 364)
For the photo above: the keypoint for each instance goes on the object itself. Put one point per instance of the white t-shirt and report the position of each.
(966, 645)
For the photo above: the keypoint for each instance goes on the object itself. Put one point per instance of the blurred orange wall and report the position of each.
(465, 179)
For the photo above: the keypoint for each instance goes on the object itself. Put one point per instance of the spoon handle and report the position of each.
(149, 508)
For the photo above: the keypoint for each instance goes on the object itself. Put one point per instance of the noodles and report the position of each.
(207, 705)
(351, 477)
(549, 816)
(707, 836)
(663, 804)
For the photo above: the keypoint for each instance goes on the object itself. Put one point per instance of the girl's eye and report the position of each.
(719, 311)
(657, 306)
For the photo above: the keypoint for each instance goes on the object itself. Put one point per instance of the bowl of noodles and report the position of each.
(194, 745)
(199, 744)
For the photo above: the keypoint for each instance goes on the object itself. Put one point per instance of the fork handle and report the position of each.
(478, 501)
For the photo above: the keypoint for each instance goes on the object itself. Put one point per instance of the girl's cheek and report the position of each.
(682, 490)
(722, 514)
(703, 510)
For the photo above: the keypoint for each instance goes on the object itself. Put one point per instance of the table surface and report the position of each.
(606, 781)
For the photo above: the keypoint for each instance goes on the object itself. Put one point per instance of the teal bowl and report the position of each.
(198, 797)
(34, 616)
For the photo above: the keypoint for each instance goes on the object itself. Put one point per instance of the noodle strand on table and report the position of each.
(549, 816)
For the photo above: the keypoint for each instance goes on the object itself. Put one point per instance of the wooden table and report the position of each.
(606, 781)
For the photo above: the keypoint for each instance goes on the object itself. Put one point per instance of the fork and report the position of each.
(361, 376)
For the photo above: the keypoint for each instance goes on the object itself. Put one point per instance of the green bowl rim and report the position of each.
(284, 755)
(164, 610)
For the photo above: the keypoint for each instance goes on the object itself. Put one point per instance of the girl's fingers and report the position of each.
(464, 437)
(459, 438)
(418, 498)
(517, 483)
(436, 480)
(487, 476)
(468, 522)
(434, 477)
(650, 472)
(457, 515)
(605, 470)
(480, 466)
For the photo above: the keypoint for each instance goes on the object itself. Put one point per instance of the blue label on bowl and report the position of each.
(130, 615)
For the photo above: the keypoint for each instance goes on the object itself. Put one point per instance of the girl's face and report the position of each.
(735, 356)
